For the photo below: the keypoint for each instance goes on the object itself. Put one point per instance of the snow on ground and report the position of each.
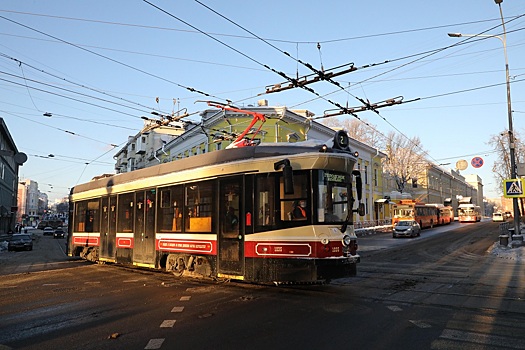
(515, 250)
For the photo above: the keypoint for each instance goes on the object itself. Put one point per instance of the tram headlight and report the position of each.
(325, 241)
(347, 240)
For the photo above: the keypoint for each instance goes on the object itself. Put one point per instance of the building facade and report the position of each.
(10, 161)
(219, 127)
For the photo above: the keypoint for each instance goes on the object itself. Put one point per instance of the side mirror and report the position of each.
(361, 209)
(287, 174)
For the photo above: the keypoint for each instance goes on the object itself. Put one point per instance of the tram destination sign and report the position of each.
(513, 188)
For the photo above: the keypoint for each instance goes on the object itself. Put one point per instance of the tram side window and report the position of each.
(265, 202)
(87, 216)
(125, 212)
(294, 206)
(198, 207)
(169, 212)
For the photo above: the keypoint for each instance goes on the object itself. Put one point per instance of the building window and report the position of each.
(366, 174)
(375, 177)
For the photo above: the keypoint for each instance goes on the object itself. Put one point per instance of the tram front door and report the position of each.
(108, 228)
(144, 237)
(231, 231)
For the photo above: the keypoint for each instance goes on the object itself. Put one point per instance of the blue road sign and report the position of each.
(513, 188)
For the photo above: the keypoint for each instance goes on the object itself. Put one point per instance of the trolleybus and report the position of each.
(469, 213)
(425, 215)
(229, 214)
(445, 213)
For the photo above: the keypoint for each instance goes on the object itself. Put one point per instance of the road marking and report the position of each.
(177, 309)
(394, 308)
(154, 344)
(168, 323)
(485, 339)
(185, 298)
(95, 282)
(420, 324)
(129, 281)
(50, 284)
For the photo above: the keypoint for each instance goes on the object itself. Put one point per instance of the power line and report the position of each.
(111, 59)
(60, 129)
(71, 91)
(248, 37)
(20, 63)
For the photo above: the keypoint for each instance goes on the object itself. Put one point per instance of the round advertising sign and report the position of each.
(461, 164)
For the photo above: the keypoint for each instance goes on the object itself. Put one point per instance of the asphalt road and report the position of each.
(438, 291)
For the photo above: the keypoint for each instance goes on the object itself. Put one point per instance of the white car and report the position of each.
(498, 217)
(49, 231)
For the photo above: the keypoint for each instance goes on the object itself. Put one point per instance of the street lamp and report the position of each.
(513, 173)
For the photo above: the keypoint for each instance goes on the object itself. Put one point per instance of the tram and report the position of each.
(265, 213)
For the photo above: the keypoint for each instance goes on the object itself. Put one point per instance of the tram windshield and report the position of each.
(333, 196)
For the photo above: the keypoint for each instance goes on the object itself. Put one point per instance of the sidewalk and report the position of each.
(366, 231)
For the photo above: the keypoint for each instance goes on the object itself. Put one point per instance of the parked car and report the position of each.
(48, 231)
(498, 217)
(20, 242)
(59, 233)
(406, 228)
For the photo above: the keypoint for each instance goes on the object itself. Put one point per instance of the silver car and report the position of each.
(20, 242)
(406, 228)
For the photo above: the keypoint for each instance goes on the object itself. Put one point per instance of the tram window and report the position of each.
(294, 206)
(265, 202)
(332, 196)
(198, 207)
(125, 212)
(170, 209)
(87, 216)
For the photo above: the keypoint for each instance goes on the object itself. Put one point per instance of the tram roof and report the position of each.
(263, 150)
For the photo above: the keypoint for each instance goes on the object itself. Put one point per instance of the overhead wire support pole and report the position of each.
(512, 149)
(512, 146)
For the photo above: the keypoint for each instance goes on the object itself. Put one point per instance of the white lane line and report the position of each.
(394, 308)
(185, 298)
(154, 344)
(129, 281)
(420, 324)
(177, 309)
(168, 323)
(50, 284)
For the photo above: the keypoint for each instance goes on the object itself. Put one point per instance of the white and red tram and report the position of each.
(228, 213)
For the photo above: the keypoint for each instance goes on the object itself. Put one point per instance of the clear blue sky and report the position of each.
(98, 66)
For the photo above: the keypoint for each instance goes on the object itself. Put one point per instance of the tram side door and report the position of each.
(231, 228)
(144, 235)
(108, 227)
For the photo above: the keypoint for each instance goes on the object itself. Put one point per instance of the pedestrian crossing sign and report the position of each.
(513, 188)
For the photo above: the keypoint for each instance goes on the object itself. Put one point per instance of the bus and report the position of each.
(50, 223)
(469, 213)
(445, 213)
(425, 215)
(228, 214)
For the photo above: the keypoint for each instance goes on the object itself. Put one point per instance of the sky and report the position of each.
(77, 76)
